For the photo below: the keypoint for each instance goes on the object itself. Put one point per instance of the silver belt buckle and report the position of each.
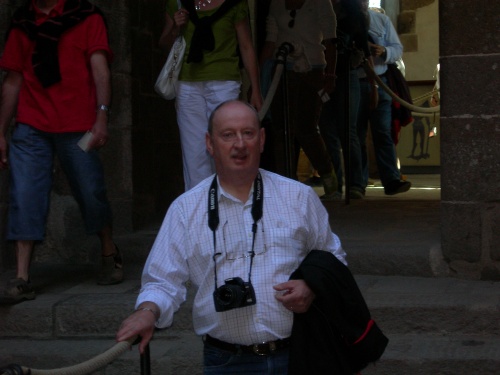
(265, 348)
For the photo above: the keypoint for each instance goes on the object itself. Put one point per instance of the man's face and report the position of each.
(236, 141)
(364, 5)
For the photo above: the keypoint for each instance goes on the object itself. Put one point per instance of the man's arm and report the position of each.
(10, 93)
(101, 75)
(393, 47)
(249, 59)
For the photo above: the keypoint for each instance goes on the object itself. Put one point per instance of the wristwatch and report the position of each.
(103, 107)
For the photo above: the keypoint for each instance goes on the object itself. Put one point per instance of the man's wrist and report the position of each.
(152, 310)
(103, 107)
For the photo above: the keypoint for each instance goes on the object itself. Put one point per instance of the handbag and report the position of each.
(166, 83)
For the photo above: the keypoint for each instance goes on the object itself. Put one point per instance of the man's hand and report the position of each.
(99, 135)
(377, 50)
(296, 295)
(142, 323)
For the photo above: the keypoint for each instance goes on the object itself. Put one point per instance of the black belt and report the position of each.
(265, 348)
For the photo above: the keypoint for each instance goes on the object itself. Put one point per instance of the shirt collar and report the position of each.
(56, 11)
(222, 193)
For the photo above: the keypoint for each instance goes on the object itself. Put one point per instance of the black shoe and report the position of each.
(313, 181)
(396, 187)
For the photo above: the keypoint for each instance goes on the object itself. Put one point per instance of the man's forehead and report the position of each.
(236, 118)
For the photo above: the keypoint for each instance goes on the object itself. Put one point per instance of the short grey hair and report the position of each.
(212, 115)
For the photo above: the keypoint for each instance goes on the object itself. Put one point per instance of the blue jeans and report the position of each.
(221, 362)
(332, 124)
(380, 123)
(31, 156)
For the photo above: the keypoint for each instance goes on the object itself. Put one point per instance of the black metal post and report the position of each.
(347, 130)
(281, 56)
(146, 361)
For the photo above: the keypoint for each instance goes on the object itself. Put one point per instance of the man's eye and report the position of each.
(248, 134)
(228, 136)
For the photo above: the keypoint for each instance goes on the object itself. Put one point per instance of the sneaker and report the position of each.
(335, 196)
(111, 269)
(330, 183)
(17, 290)
(356, 194)
(396, 187)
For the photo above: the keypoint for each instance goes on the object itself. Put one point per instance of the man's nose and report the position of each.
(239, 140)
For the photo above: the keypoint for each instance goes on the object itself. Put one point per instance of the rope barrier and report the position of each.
(416, 110)
(272, 91)
(420, 99)
(86, 367)
(372, 74)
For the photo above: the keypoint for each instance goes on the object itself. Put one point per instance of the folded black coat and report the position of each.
(401, 116)
(336, 335)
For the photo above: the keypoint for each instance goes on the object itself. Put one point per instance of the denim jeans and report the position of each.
(221, 362)
(380, 124)
(332, 125)
(31, 156)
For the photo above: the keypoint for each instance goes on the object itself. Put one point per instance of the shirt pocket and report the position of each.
(286, 247)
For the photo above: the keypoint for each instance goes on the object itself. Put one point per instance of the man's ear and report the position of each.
(209, 144)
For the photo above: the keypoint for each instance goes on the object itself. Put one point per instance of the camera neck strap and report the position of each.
(213, 217)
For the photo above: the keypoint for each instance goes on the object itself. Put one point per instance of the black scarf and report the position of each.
(45, 57)
(203, 37)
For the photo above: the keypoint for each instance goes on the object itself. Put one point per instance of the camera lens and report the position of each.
(229, 295)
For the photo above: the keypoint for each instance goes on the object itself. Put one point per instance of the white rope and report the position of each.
(271, 91)
(372, 74)
(86, 367)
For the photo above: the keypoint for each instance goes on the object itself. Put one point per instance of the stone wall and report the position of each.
(157, 163)
(470, 124)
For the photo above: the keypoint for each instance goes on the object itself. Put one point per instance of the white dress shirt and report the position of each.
(294, 222)
(384, 34)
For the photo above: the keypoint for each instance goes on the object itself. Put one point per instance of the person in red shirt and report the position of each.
(57, 83)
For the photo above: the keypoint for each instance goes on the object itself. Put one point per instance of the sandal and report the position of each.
(18, 290)
(111, 269)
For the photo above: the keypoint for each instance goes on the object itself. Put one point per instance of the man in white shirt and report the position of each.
(386, 48)
(240, 233)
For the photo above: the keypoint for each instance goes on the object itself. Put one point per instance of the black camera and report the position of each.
(233, 294)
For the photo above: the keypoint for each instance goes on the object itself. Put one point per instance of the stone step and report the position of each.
(400, 305)
(180, 354)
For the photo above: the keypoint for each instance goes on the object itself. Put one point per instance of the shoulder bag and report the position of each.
(166, 83)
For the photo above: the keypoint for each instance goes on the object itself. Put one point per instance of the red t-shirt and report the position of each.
(69, 105)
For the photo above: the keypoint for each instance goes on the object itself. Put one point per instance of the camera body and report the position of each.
(233, 294)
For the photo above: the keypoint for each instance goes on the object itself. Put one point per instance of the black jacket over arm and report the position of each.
(337, 335)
